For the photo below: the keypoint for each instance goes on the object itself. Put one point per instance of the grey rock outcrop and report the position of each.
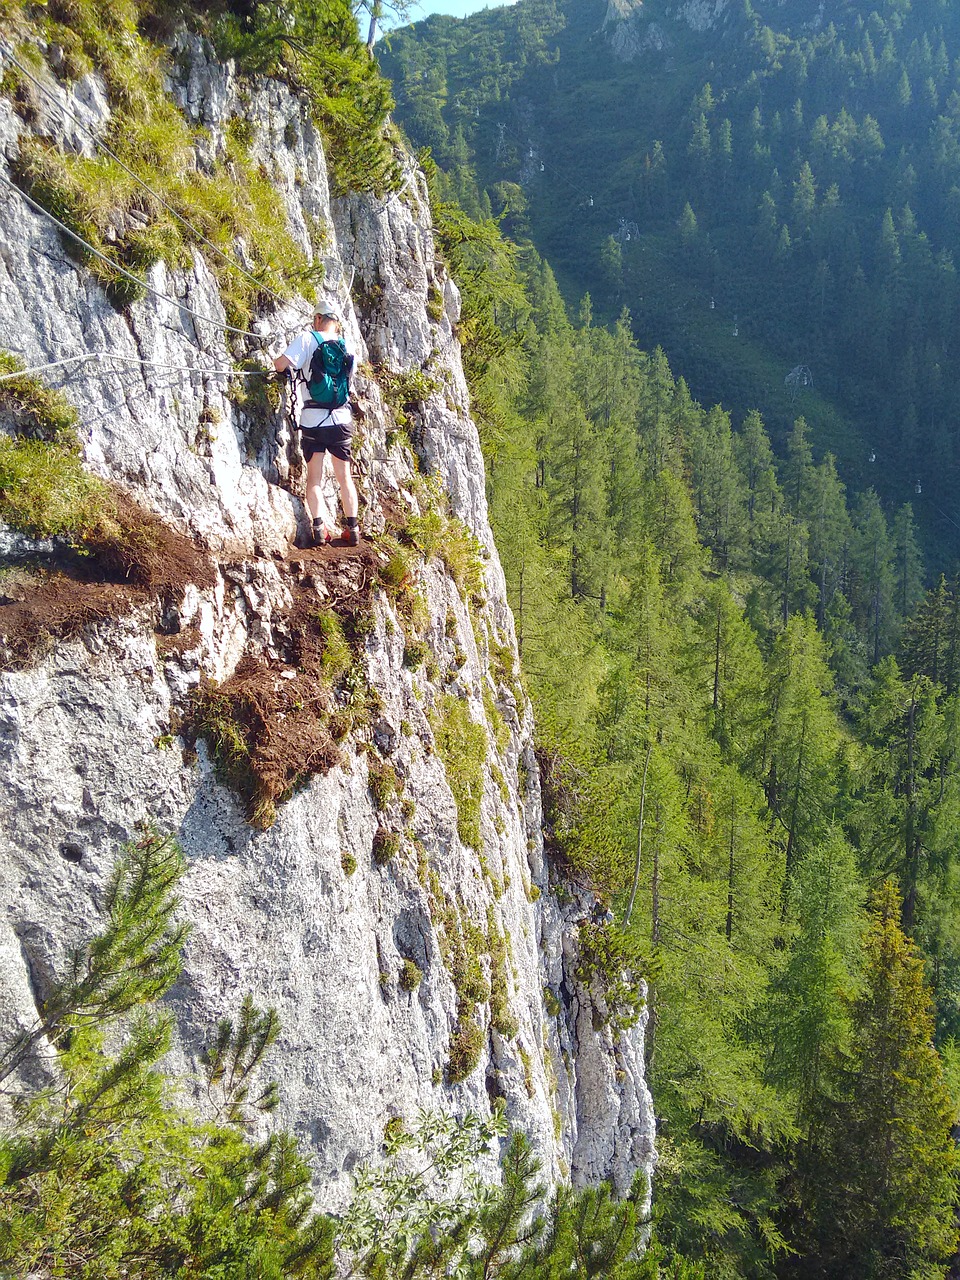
(300, 915)
(632, 27)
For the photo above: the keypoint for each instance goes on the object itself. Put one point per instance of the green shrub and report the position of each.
(466, 1046)
(413, 605)
(434, 303)
(405, 391)
(393, 1130)
(410, 976)
(37, 411)
(337, 657)
(395, 570)
(551, 1002)
(462, 746)
(468, 976)
(348, 862)
(386, 845)
(618, 960)
(414, 653)
(383, 782)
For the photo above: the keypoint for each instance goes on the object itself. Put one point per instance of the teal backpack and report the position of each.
(328, 378)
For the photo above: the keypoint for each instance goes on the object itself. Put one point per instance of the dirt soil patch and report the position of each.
(137, 546)
(133, 560)
(275, 724)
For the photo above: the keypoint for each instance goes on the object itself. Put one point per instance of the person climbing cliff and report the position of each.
(326, 422)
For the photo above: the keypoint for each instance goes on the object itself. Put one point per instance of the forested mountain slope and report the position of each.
(746, 704)
(764, 186)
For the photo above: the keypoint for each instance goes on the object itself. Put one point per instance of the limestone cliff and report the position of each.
(367, 874)
(633, 27)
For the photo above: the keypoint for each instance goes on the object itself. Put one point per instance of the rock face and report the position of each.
(632, 27)
(300, 914)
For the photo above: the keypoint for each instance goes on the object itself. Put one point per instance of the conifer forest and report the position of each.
(736, 593)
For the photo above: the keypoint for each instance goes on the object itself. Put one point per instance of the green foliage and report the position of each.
(234, 1055)
(229, 200)
(410, 976)
(395, 570)
(385, 786)
(104, 1174)
(697, 623)
(405, 391)
(617, 959)
(466, 1046)
(461, 744)
(337, 657)
(386, 845)
(437, 534)
(498, 725)
(880, 1122)
(414, 653)
(429, 1184)
(36, 411)
(317, 49)
(219, 718)
(801, 206)
(45, 492)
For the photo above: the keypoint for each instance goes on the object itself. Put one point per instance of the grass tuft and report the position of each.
(461, 744)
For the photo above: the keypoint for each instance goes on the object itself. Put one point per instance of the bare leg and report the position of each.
(315, 503)
(348, 490)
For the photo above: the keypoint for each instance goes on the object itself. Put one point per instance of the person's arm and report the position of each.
(294, 356)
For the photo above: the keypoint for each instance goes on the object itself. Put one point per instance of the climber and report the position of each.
(326, 422)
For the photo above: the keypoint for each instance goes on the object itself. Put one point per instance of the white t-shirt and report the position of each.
(300, 353)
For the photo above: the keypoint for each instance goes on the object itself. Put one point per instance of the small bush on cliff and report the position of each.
(462, 746)
(437, 534)
(466, 1046)
(35, 411)
(619, 961)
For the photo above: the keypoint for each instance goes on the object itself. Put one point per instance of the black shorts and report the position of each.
(333, 439)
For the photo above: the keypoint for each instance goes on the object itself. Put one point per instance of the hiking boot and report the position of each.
(351, 534)
(320, 535)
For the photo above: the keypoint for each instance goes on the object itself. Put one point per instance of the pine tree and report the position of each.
(103, 1174)
(808, 1012)
(801, 747)
(882, 1127)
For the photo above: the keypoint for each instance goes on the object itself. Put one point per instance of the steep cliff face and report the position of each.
(398, 911)
(633, 27)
